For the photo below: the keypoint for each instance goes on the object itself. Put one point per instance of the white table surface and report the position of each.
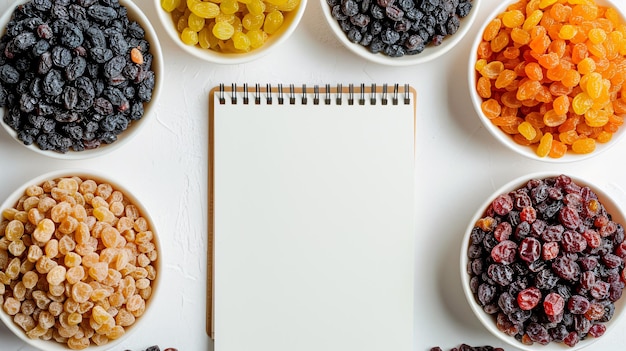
(458, 165)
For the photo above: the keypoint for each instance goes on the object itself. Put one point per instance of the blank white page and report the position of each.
(313, 226)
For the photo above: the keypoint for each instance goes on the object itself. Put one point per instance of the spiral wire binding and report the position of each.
(358, 94)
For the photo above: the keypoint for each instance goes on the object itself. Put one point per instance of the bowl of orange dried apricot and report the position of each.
(548, 77)
(79, 262)
(229, 31)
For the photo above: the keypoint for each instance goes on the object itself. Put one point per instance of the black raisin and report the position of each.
(8, 74)
(72, 36)
(24, 41)
(101, 54)
(114, 66)
(96, 36)
(464, 9)
(394, 13)
(100, 13)
(61, 56)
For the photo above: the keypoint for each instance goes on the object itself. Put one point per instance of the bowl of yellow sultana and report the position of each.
(229, 31)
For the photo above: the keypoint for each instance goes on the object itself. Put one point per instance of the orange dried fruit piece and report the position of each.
(561, 105)
(507, 121)
(533, 71)
(500, 41)
(545, 3)
(492, 29)
(505, 78)
(492, 69)
(520, 36)
(567, 32)
(513, 18)
(553, 119)
(571, 78)
(528, 90)
(483, 87)
(568, 137)
(604, 137)
(536, 119)
(491, 108)
(540, 44)
(596, 118)
(586, 66)
(532, 20)
(584, 146)
(593, 85)
(558, 149)
(549, 60)
(597, 35)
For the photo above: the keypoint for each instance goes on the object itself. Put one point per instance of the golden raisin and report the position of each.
(584, 146)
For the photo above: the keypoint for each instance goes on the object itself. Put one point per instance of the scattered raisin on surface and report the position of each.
(466, 347)
(63, 63)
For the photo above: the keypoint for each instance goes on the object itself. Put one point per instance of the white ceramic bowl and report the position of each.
(291, 22)
(430, 53)
(135, 14)
(616, 209)
(506, 139)
(52, 345)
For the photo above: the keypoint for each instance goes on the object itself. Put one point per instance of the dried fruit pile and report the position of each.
(228, 25)
(552, 74)
(547, 261)
(399, 27)
(74, 74)
(77, 262)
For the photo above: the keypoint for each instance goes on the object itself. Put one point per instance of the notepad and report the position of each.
(312, 217)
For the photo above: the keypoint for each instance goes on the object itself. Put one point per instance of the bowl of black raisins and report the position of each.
(78, 78)
(400, 32)
(542, 262)
(255, 27)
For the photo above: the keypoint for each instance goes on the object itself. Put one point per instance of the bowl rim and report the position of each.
(208, 55)
(501, 136)
(429, 54)
(52, 345)
(614, 206)
(134, 13)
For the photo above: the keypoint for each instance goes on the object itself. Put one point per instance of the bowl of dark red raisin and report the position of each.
(542, 262)
(254, 28)
(400, 32)
(547, 86)
(78, 78)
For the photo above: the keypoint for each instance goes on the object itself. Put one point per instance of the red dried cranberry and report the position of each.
(502, 204)
(553, 304)
(597, 330)
(503, 231)
(528, 298)
(504, 252)
(529, 249)
(550, 251)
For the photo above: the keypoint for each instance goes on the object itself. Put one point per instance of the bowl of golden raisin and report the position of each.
(229, 31)
(79, 262)
(548, 77)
